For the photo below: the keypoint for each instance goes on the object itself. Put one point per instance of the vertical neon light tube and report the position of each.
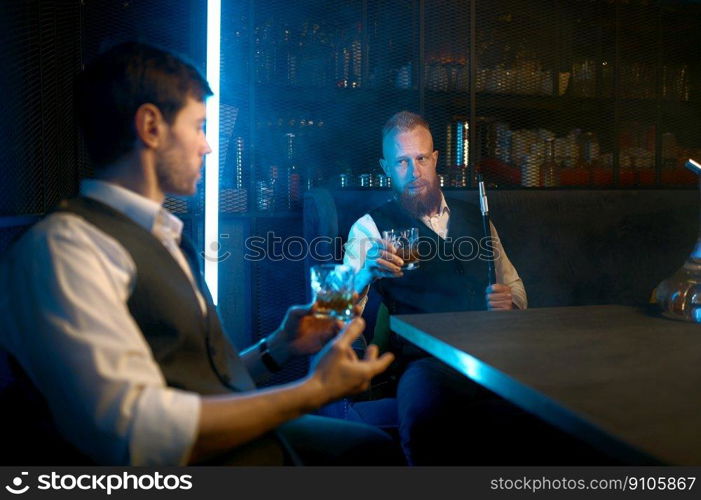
(211, 187)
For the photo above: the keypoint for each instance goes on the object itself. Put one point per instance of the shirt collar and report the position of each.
(145, 212)
(444, 206)
(445, 209)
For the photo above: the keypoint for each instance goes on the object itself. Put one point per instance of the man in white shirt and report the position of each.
(106, 312)
(410, 161)
(432, 399)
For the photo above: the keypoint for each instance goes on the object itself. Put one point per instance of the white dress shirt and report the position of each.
(65, 318)
(364, 231)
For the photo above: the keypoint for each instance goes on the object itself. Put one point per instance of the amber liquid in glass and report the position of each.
(337, 304)
(410, 256)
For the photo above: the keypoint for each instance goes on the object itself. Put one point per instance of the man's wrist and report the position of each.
(273, 353)
(316, 394)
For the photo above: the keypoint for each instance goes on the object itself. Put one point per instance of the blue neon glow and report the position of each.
(211, 187)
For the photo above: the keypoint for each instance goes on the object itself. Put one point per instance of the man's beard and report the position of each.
(424, 203)
(173, 174)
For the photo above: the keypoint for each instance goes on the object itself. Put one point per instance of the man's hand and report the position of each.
(339, 371)
(381, 261)
(302, 333)
(499, 297)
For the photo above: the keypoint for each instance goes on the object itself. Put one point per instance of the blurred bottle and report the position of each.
(349, 59)
(549, 169)
(530, 171)
(264, 53)
(314, 56)
(238, 162)
(356, 44)
(286, 57)
(294, 180)
(235, 56)
(502, 142)
(462, 143)
(277, 190)
(365, 180)
(313, 178)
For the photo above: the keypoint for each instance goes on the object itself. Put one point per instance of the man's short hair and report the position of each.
(403, 122)
(118, 82)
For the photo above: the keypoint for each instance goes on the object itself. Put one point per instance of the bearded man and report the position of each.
(432, 398)
(452, 275)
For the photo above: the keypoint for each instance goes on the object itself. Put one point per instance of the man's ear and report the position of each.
(435, 156)
(150, 125)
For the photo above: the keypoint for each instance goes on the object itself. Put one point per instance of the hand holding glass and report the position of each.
(405, 241)
(332, 290)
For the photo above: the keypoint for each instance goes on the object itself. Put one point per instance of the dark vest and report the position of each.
(451, 276)
(190, 348)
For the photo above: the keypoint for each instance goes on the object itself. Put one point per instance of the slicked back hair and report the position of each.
(118, 82)
(403, 122)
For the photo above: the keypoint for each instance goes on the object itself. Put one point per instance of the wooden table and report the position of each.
(621, 378)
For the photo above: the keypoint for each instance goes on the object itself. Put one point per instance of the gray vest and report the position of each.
(190, 348)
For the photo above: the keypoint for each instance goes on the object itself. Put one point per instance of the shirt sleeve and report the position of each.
(360, 238)
(72, 332)
(507, 274)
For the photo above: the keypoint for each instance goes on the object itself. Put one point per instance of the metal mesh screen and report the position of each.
(306, 88)
(309, 85)
(176, 26)
(521, 128)
(679, 76)
(278, 282)
(636, 85)
(582, 93)
(586, 84)
(538, 94)
(40, 57)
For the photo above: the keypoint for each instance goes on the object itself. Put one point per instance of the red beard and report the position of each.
(424, 203)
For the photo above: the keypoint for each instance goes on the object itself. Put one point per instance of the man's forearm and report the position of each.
(230, 421)
(252, 358)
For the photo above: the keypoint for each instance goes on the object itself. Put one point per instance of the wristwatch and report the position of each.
(265, 356)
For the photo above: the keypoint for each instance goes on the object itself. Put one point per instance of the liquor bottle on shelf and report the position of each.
(286, 58)
(315, 56)
(239, 149)
(549, 169)
(265, 194)
(530, 170)
(234, 52)
(349, 59)
(277, 189)
(293, 181)
(294, 187)
(264, 53)
(233, 195)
